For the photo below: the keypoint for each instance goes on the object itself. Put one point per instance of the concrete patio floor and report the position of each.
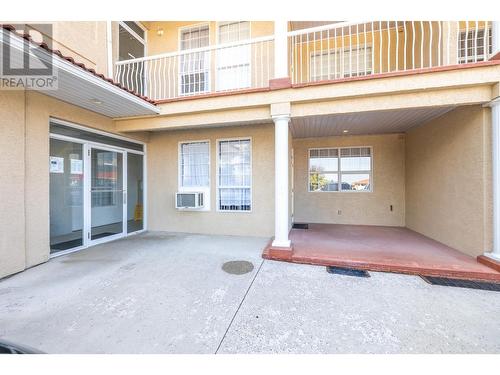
(167, 293)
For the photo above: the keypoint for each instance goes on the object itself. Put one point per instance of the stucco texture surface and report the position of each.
(163, 158)
(448, 179)
(363, 208)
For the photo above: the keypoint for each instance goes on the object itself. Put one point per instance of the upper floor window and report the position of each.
(234, 175)
(233, 31)
(471, 45)
(194, 66)
(195, 37)
(341, 63)
(340, 169)
(194, 164)
(233, 63)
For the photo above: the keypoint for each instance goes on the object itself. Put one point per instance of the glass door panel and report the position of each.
(66, 195)
(135, 196)
(106, 193)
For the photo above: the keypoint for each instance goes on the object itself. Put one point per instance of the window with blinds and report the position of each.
(234, 181)
(342, 63)
(340, 169)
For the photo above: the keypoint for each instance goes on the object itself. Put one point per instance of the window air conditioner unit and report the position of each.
(188, 200)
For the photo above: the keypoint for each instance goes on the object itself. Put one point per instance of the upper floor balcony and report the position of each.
(213, 58)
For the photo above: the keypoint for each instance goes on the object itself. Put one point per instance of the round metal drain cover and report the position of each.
(237, 267)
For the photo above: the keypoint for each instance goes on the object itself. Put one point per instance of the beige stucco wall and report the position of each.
(85, 41)
(12, 170)
(169, 41)
(365, 208)
(24, 186)
(163, 183)
(448, 176)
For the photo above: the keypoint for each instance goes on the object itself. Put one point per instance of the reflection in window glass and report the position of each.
(324, 182)
(356, 181)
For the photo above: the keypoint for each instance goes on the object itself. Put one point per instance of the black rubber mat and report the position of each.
(347, 271)
(470, 284)
(101, 235)
(300, 226)
(66, 245)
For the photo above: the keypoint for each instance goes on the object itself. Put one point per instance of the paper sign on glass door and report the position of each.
(56, 164)
(76, 166)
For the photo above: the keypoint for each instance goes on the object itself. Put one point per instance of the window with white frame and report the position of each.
(233, 63)
(194, 66)
(471, 45)
(194, 164)
(341, 63)
(340, 169)
(234, 181)
(233, 31)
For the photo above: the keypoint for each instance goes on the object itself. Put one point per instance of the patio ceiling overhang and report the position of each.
(77, 84)
(364, 123)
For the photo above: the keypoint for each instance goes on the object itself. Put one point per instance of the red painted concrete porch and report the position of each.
(378, 248)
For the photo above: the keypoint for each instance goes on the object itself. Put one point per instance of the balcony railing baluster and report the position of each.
(335, 51)
(219, 68)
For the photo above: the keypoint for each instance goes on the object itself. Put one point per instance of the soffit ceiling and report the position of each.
(377, 122)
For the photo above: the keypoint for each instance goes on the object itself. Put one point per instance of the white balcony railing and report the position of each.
(330, 52)
(351, 49)
(226, 67)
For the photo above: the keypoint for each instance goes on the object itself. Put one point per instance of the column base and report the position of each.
(280, 252)
(490, 260)
(284, 244)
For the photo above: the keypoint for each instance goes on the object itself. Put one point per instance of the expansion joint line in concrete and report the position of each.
(239, 306)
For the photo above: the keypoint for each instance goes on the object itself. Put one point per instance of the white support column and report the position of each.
(109, 46)
(495, 37)
(281, 180)
(280, 49)
(495, 124)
